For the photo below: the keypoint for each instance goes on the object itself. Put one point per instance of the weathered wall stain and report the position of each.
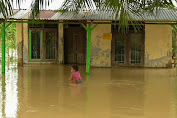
(158, 45)
(95, 51)
(101, 49)
(19, 43)
(25, 43)
(159, 62)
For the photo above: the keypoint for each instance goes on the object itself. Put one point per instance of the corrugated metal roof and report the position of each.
(160, 15)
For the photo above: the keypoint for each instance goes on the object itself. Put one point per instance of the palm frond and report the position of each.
(6, 6)
(38, 5)
(121, 9)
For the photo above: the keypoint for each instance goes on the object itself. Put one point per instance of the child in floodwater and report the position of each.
(75, 75)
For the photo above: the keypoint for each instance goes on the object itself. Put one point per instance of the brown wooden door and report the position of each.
(75, 45)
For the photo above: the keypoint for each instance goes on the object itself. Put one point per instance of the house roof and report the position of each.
(160, 15)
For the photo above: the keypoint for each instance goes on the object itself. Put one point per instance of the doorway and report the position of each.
(75, 44)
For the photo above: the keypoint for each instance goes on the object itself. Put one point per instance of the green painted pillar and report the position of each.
(89, 34)
(3, 47)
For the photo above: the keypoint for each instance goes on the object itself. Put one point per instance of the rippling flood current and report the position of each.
(43, 91)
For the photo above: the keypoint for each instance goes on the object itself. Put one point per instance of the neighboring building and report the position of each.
(66, 43)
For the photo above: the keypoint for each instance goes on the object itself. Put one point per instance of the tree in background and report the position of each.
(11, 45)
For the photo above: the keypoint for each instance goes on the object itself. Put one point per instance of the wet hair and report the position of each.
(75, 67)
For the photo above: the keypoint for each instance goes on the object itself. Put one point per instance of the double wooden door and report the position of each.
(75, 45)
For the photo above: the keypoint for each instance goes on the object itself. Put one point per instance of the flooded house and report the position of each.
(62, 39)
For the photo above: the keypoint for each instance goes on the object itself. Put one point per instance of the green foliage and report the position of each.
(10, 37)
(121, 9)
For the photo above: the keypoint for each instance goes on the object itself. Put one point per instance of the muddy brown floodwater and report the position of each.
(42, 91)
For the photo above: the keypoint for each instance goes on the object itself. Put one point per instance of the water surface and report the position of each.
(43, 91)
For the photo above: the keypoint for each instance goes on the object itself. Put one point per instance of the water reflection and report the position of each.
(127, 93)
(2, 103)
(157, 93)
(9, 98)
(173, 94)
(43, 91)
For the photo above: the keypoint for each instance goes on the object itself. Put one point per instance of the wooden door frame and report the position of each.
(29, 46)
(73, 28)
(127, 50)
(66, 38)
(44, 44)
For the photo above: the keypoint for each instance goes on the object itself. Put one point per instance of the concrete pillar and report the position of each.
(60, 44)
(19, 28)
(25, 43)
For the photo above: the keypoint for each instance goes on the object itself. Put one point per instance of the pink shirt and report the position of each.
(77, 75)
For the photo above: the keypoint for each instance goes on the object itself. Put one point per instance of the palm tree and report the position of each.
(123, 10)
(6, 6)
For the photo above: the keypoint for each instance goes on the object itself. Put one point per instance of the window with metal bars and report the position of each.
(128, 48)
(120, 49)
(35, 45)
(50, 45)
(136, 48)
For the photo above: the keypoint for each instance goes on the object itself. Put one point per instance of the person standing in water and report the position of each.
(75, 75)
